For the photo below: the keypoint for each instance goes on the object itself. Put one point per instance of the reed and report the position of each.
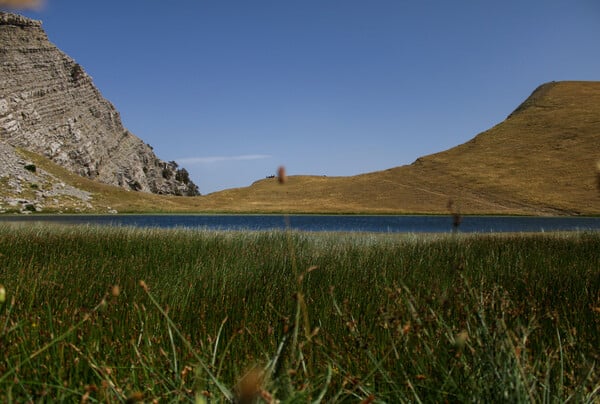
(116, 314)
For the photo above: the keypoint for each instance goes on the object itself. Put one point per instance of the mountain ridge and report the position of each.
(49, 105)
(540, 160)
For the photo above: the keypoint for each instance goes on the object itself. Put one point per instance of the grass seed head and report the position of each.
(281, 175)
(2, 294)
(461, 339)
(369, 400)
(249, 387)
(200, 399)
(22, 4)
(598, 174)
(136, 397)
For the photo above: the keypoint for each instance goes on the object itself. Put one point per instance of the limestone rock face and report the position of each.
(49, 105)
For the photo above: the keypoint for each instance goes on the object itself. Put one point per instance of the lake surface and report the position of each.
(331, 223)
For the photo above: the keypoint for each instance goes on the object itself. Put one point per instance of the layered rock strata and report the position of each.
(49, 105)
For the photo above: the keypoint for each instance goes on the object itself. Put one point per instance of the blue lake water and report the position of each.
(330, 223)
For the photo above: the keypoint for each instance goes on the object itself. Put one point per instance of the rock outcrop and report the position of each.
(27, 188)
(49, 105)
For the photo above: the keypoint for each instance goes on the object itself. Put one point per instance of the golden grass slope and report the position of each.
(540, 160)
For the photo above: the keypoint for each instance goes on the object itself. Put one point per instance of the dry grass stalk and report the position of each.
(250, 386)
(22, 4)
(281, 175)
(598, 174)
(456, 216)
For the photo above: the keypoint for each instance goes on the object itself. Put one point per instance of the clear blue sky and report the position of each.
(233, 89)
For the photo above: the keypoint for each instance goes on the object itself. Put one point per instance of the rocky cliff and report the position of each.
(49, 105)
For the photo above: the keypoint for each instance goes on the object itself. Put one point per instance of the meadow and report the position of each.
(99, 314)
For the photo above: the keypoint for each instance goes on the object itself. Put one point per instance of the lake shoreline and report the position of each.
(329, 222)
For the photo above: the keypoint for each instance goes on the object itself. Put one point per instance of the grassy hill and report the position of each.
(540, 160)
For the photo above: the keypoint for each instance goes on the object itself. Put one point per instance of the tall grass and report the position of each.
(291, 316)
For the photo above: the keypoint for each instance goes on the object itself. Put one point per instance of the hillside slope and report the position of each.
(540, 160)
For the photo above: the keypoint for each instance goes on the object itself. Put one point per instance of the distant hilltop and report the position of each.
(50, 106)
(541, 160)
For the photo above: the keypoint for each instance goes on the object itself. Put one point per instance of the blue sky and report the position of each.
(233, 89)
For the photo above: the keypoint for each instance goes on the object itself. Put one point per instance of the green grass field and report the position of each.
(96, 314)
